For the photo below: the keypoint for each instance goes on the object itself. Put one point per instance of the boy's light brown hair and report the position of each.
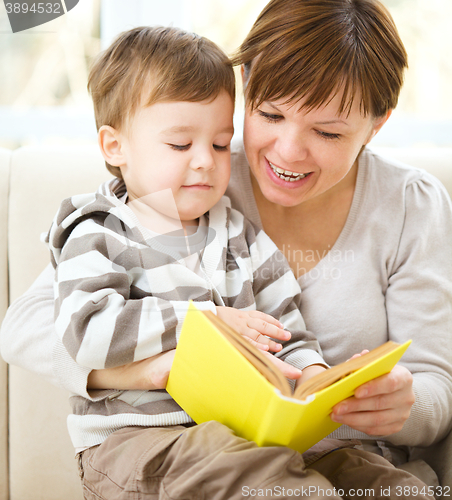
(147, 65)
(315, 49)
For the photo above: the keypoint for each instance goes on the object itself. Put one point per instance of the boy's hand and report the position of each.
(287, 370)
(147, 374)
(256, 327)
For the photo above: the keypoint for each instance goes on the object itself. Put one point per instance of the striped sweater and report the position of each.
(121, 294)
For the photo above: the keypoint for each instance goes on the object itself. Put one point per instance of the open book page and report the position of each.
(252, 354)
(218, 375)
(338, 372)
(274, 375)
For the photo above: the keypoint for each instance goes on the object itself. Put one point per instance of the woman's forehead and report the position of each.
(332, 106)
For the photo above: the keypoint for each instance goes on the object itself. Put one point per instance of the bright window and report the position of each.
(43, 95)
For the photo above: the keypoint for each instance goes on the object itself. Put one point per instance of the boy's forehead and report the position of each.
(178, 108)
(174, 116)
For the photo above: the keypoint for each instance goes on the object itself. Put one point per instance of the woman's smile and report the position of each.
(286, 178)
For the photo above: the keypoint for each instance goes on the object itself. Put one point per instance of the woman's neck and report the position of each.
(311, 226)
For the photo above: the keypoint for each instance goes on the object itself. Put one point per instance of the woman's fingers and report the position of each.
(364, 351)
(381, 406)
(399, 379)
(374, 423)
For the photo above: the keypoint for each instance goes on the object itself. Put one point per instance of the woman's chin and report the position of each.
(283, 197)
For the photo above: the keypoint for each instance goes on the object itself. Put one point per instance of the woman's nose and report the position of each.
(291, 146)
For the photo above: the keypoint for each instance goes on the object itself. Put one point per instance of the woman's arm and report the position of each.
(28, 338)
(419, 306)
(145, 375)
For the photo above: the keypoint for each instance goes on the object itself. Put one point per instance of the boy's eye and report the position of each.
(272, 118)
(221, 148)
(180, 147)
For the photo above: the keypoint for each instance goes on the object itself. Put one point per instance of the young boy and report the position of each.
(130, 257)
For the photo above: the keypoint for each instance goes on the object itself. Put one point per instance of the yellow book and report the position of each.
(218, 375)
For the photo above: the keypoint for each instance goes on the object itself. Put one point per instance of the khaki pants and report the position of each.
(209, 462)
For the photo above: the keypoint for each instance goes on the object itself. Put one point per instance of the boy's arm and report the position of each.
(278, 293)
(99, 322)
(28, 339)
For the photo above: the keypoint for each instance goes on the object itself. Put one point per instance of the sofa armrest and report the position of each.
(439, 457)
(42, 463)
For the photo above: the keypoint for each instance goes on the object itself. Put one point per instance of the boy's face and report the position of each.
(182, 146)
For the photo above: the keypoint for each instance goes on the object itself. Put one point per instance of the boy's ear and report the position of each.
(378, 123)
(110, 146)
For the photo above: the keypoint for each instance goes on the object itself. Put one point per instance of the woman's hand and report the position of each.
(379, 407)
(255, 326)
(309, 372)
(147, 374)
(364, 351)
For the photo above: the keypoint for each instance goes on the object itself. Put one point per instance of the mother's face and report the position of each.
(297, 155)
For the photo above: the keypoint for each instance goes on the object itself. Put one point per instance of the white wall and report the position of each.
(121, 15)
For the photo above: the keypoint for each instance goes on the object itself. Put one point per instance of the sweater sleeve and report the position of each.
(28, 338)
(101, 324)
(277, 293)
(419, 306)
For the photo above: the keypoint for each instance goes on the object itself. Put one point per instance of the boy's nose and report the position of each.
(203, 159)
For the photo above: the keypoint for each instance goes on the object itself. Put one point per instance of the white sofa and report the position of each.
(36, 456)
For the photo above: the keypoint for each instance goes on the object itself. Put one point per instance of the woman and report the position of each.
(368, 240)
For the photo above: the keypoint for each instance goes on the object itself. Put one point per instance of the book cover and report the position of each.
(212, 380)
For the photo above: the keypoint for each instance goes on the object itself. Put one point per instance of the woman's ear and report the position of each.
(244, 76)
(109, 141)
(377, 124)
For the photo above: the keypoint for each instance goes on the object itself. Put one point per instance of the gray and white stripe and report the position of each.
(121, 293)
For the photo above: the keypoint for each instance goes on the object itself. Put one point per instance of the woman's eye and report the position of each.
(220, 148)
(180, 147)
(269, 116)
(327, 136)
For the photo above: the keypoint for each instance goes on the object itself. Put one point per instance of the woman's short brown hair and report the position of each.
(315, 49)
(147, 65)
